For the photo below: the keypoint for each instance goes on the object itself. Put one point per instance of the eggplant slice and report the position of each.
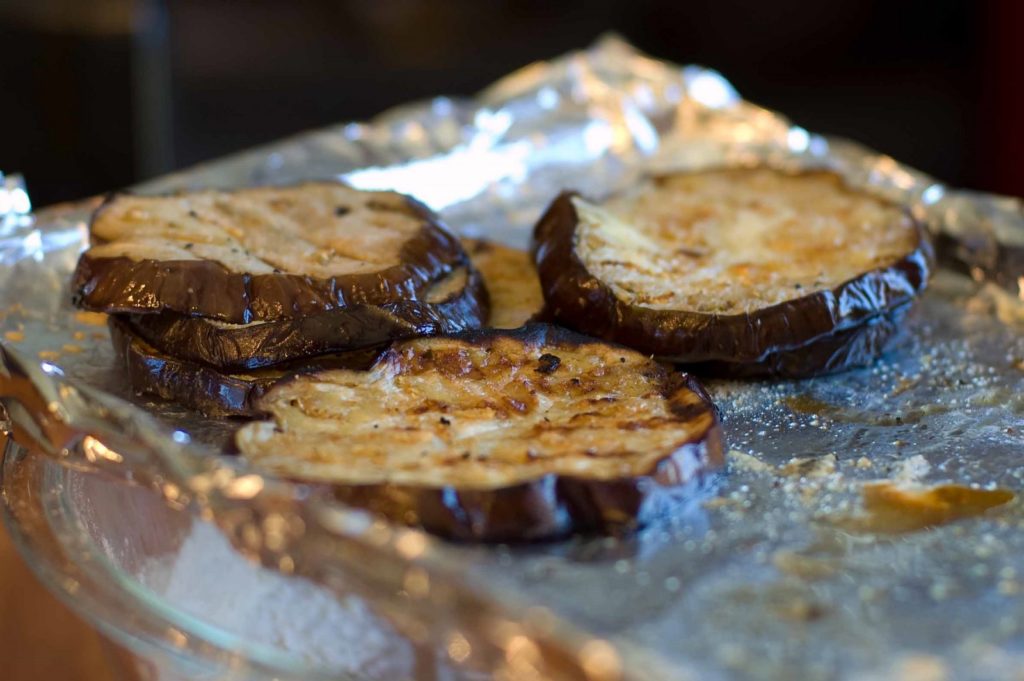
(205, 389)
(512, 283)
(264, 253)
(494, 435)
(458, 302)
(734, 265)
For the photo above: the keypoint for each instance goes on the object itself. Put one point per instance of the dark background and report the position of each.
(97, 94)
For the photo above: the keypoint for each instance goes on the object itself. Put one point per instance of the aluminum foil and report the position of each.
(771, 573)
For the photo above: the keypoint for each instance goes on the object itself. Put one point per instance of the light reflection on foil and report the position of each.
(14, 200)
(444, 181)
(709, 88)
(797, 140)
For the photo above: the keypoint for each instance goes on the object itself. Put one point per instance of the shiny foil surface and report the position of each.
(828, 548)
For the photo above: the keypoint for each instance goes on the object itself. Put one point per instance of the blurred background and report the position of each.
(98, 94)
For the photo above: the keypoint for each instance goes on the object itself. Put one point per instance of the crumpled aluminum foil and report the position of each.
(761, 576)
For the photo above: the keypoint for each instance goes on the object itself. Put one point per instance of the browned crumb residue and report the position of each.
(49, 355)
(810, 467)
(805, 404)
(891, 509)
(15, 336)
(71, 348)
(808, 568)
(91, 318)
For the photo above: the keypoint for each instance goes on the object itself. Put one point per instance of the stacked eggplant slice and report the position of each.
(748, 272)
(348, 325)
(208, 389)
(216, 295)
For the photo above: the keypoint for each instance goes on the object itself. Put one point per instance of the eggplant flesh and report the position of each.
(494, 435)
(512, 283)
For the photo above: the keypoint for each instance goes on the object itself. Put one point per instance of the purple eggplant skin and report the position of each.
(203, 388)
(339, 330)
(577, 299)
(549, 508)
(204, 288)
(843, 350)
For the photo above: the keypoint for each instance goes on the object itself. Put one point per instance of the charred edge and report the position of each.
(843, 350)
(547, 508)
(192, 386)
(338, 330)
(678, 385)
(207, 288)
(579, 300)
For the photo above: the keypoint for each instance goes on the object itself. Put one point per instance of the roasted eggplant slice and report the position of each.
(494, 435)
(834, 352)
(263, 253)
(728, 265)
(458, 302)
(511, 280)
(205, 389)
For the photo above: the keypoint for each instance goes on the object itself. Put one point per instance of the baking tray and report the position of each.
(773, 570)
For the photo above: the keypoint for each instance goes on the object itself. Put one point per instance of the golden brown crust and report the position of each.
(512, 282)
(493, 435)
(581, 300)
(731, 241)
(262, 253)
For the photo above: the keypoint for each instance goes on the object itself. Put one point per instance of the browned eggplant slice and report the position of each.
(728, 265)
(841, 350)
(458, 302)
(494, 435)
(511, 280)
(205, 389)
(263, 253)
